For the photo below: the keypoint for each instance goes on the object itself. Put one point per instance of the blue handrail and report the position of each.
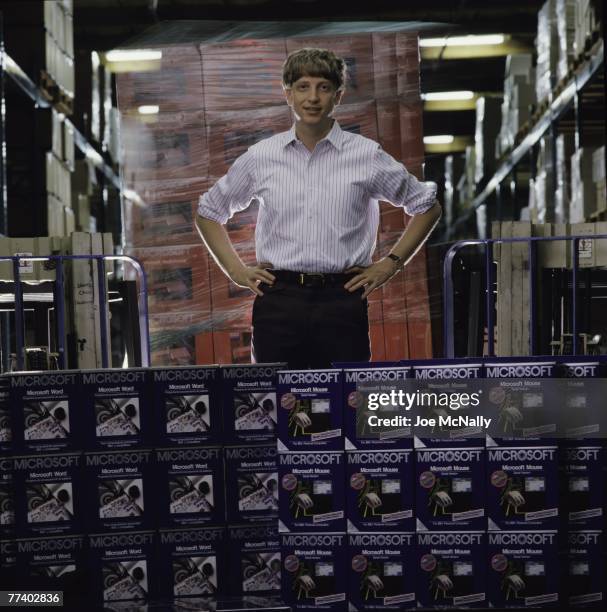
(60, 306)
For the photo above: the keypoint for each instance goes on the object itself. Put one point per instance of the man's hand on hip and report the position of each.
(372, 277)
(250, 277)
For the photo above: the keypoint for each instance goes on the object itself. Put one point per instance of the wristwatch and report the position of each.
(395, 258)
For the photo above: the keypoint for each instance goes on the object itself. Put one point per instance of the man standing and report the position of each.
(318, 189)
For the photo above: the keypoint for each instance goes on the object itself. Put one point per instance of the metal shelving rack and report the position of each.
(10, 69)
(568, 96)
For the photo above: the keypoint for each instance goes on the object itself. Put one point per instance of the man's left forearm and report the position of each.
(378, 273)
(416, 233)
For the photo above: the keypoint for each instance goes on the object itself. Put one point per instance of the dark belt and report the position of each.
(312, 279)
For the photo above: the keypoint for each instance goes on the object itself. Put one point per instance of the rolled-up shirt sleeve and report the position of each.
(392, 183)
(232, 193)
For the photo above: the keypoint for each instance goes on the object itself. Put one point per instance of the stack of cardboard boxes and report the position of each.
(214, 101)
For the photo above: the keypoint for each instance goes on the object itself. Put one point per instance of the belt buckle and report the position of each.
(312, 280)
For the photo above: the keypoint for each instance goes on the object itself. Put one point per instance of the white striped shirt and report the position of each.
(318, 211)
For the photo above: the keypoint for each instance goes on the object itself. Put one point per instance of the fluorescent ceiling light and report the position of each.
(133, 55)
(463, 41)
(442, 139)
(149, 109)
(448, 95)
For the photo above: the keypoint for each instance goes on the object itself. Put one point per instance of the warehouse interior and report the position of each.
(117, 115)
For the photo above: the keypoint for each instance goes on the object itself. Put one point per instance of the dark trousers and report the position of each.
(309, 327)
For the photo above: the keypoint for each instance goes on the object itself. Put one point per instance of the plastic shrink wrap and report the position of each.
(187, 116)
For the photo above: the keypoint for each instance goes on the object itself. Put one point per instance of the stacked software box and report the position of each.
(379, 492)
(522, 486)
(450, 500)
(8, 559)
(189, 481)
(119, 471)
(311, 499)
(582, 464)
(250, 412)
(47, 481)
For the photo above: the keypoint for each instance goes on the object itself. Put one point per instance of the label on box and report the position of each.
(310, 411)
(454, 377)
(253, 559)
(314, 571)
(581, 470)
(380, 490)
(450, 488)
(187, 405)
(118, 408)
(122, 565)
(48, 494)
(249, 402)
(121, 490)
(191, 562)
(251, 483)
(522, 488)
(189, 487)
(357, 384)
(451, 569)
(524, 415)
(311, 491)
(6, 428)
(57, 562)
(381, 571)
(45, 411)
(586, 569)
(7, 499)
(523, 569)
(8, 563)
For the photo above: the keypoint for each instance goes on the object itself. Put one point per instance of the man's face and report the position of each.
(313, 99)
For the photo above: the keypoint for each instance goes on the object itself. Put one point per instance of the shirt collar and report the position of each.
(335, 136)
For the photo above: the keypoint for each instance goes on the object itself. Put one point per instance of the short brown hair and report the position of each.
(315, 63)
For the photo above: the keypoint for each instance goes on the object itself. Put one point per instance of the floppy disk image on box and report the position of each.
(522, 488)
(46, 415)
(250, 411)
(314, 571)
(310, 411)
(189, 486)
(451, 569)
(582, 478)
(311, 491)
(121, 490)
(191, 562)
(49, 494)
(122, 565)
(358, 383)
(523, 569)
(187, 407)
(586, 567)
(381, 571)
(254, 565)
(251, 474)
(380, 490)
(118, 409)
(56, 562)
(450, 489)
